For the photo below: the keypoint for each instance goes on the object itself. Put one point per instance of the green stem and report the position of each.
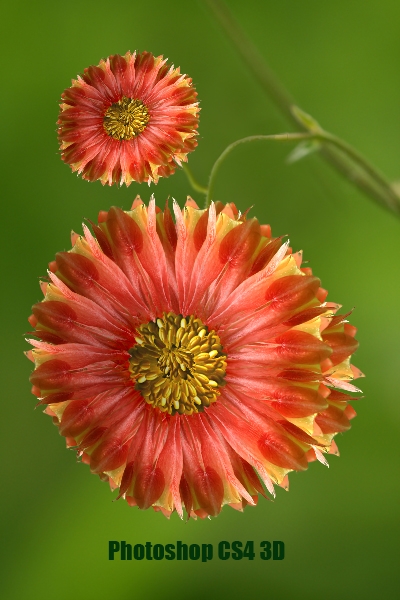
(337, 152)
(195, 184)
(252, 58)
(387, 196)
(281, 137)
(325, 138)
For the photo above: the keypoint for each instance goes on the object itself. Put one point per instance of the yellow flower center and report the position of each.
(126, 118)
(178, 365)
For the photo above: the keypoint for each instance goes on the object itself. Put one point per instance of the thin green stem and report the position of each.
(195, 184)
(338, 153)
(327, 139)
(281, 137)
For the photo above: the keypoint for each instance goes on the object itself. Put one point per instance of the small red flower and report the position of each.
(187, 360)
(131, 118)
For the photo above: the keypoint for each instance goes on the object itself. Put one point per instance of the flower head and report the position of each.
(131, 118)
(187, 360)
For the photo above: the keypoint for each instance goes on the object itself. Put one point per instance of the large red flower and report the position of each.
(131, 118)
(187, 360)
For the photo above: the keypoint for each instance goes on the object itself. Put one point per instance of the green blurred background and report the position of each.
(341, 62)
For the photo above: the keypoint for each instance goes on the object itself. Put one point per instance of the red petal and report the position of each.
(209, 490)
(281, 451)
(302, 348)
(149, 486)
(124, 231)
(343, 345)
(333, 420)
(77, 269)
(239, 244)
(292, 291)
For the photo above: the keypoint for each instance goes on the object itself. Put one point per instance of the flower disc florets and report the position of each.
(131, 118)
(187, 360)
(178, 365)
(125, 119)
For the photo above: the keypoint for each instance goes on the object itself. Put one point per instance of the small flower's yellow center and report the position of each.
(126, 118)
(178, 365)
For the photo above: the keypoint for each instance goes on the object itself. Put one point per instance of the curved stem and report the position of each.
(193, 182)
(337, 153)
(281, 137)
(385, 191)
